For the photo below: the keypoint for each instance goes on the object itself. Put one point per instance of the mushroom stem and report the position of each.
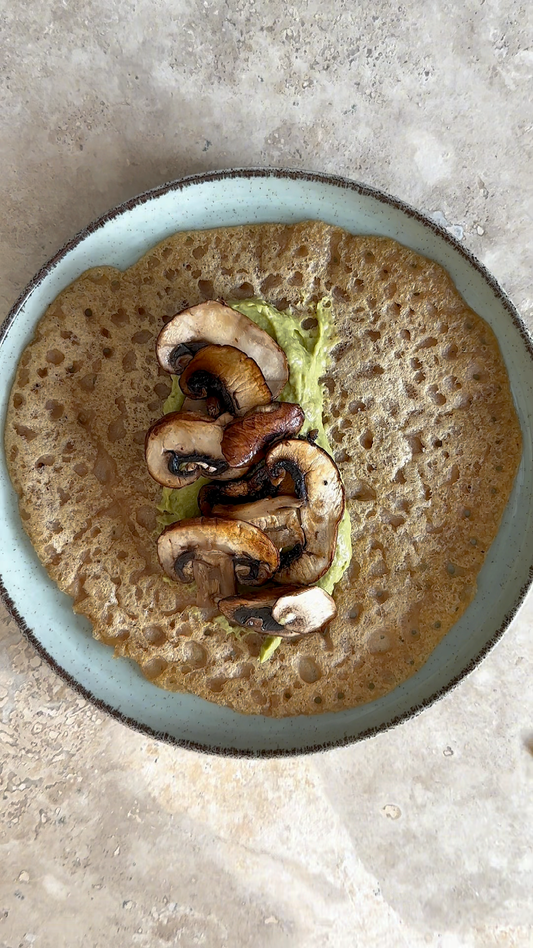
(203, 577)
(213, 406)
(213, 580)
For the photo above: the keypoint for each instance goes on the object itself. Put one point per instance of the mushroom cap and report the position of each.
(213, 322)
(183, 446)
(229, 374)
(289, 612)
(254, 557)
(246, 438)
(317, 482)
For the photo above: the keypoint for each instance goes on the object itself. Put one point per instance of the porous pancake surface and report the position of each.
(419, 411)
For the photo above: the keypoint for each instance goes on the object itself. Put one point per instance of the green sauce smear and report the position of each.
(308, 355)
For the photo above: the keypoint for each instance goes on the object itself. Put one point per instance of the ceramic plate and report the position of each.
(45, 615)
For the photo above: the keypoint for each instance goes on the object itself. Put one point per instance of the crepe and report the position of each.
(420, 414)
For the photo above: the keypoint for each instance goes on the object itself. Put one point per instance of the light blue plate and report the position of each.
(45, 614)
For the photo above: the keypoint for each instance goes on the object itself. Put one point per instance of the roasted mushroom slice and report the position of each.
(215, 323)
(317, 482)
(227, 374)
(245, 439)
(183, 446)
(275, 516)
(216, 553)
(256, 486)
(288, 612)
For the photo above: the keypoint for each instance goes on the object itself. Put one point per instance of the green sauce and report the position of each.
(307, 352)
(308, 355)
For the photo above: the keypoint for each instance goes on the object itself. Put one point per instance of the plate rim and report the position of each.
(362, 189)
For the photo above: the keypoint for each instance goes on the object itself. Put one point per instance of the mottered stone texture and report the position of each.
(421, 836)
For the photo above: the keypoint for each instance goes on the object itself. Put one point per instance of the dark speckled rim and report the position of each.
(308, 176)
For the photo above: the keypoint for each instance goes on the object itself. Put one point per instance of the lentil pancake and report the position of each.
(419, 410)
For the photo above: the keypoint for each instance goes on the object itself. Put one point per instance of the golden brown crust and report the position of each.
(419, 411)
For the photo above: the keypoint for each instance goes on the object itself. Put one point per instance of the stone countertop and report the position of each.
(422, 836)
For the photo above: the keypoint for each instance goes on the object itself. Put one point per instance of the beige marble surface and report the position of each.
(422, 836)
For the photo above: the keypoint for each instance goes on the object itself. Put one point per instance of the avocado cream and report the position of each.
(308, 355)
